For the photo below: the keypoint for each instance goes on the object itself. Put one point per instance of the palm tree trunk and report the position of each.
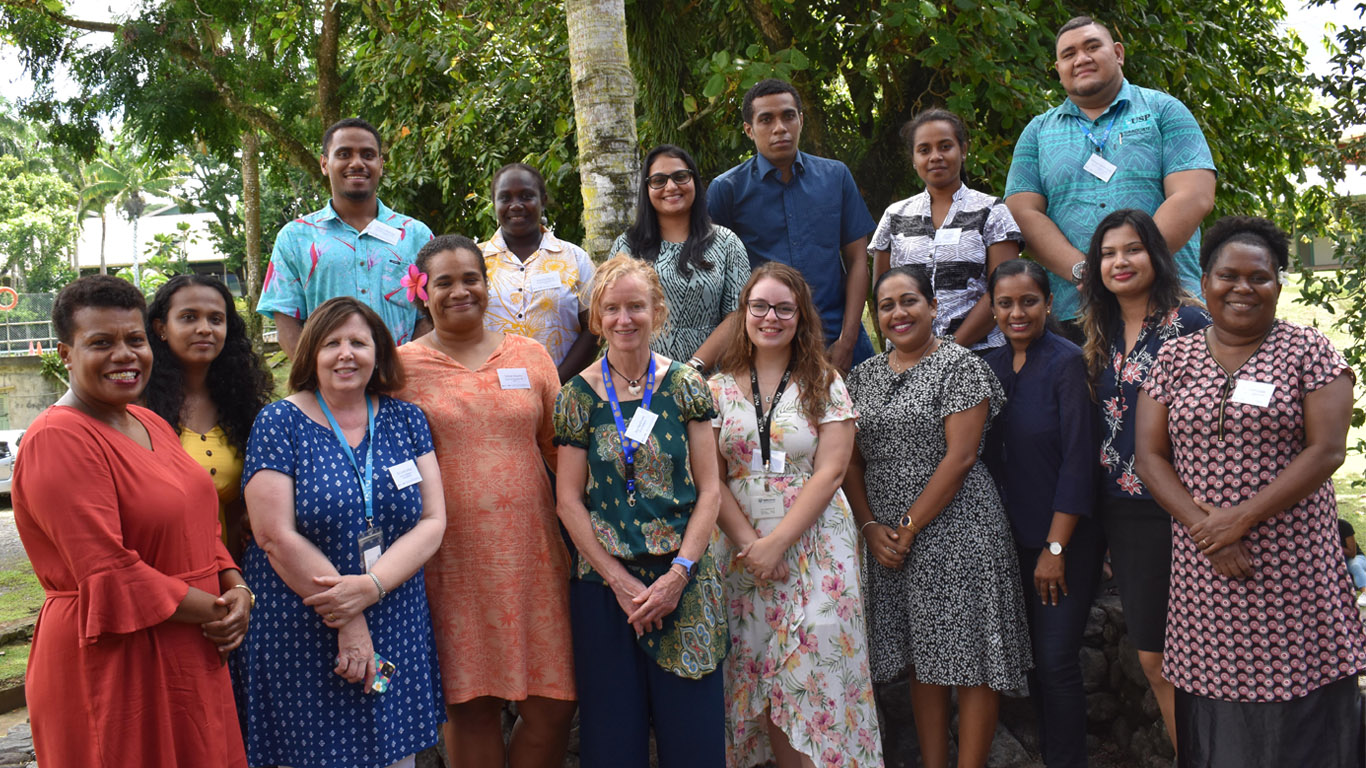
(137, 262)
(251, 212)
(604, 118)
(104, 231)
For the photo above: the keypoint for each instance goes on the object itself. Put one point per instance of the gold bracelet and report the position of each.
(907, 522)
(250, 594)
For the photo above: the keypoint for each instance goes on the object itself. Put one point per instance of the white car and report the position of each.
(9, 449)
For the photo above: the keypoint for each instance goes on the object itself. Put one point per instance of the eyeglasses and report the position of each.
(760, 308)
(658, 180)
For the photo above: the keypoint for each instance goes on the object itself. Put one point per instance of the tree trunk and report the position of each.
(104, 231)
(137, 261)
(329, 89)
(251, 233)
(604, 119)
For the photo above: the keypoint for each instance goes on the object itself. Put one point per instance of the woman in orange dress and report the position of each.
(121, 525)
(499, 585)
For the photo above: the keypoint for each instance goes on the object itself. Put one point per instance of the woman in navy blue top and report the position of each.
(1132, 303)
(1041, 450)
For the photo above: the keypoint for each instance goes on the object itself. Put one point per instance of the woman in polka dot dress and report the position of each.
(1239, 430)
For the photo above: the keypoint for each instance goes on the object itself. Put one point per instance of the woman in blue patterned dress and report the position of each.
(701, 266)
(327, 469)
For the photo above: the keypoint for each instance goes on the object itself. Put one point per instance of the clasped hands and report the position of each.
(1219, 536)
(228, 631)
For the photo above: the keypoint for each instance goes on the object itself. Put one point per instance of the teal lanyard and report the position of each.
(1098, 143)
(366, 481)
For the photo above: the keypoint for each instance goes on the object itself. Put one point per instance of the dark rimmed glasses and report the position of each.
(760, 308)
(658, 180)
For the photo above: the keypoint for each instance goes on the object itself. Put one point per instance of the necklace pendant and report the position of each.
(634, 387)
(631, 499)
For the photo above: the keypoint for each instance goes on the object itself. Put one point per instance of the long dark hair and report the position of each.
(1101, 319)
(238, 383)
(643, 236)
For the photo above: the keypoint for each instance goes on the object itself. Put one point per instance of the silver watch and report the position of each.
(1079, 271)
(1055, 548)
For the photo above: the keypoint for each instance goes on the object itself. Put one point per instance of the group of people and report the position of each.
(679, 492)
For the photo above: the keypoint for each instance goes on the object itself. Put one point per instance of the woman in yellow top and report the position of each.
(207, 383)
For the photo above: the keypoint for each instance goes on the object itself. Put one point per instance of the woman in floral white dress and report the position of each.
(798, 689)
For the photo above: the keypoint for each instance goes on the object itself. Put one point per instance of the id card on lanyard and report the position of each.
(628, 445)
(371, 540)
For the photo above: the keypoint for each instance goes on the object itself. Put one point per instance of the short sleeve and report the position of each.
(283, 289)
(573, 410)
(1183, 143)
(967, 382)
(839, 406)
(855, 221)
(1000, 226)
(1322, 361)
(419, 431)
(691, 394)
(882, 236)
(719, 203)
(1024, 164)
(735, 260)
(718, 388)
(272, 442)
(117, 592)
(1159, 376)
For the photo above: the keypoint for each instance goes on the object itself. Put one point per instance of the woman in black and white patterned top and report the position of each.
(702, 266)
(956, 234)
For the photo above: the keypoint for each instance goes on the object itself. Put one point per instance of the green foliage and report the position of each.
(53, 368)
(37, 224)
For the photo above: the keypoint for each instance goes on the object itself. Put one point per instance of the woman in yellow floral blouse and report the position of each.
(538, 284)
(639, 492)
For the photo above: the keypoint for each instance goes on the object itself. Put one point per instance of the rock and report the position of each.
(1128, 662)
(1101, 707)
(1121, 732)
(1006, 752)
(1093, 668)
(1095, 625)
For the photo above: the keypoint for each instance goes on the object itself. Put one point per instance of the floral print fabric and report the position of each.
(798, 647)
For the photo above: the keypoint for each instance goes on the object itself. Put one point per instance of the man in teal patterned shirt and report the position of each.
(355, 246)
(1110, 145)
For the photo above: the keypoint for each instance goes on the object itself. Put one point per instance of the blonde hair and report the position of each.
(614, 269)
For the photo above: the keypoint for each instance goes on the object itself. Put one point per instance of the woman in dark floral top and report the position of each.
(1132, 304)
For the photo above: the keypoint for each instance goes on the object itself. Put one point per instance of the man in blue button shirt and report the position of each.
(355, 246)
(801, 210)
(1110, 145)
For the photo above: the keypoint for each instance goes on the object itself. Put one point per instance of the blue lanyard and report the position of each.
(628, 446)
(1100, 145)
(366, 482)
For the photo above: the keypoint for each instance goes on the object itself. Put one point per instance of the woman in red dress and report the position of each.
(121, 525)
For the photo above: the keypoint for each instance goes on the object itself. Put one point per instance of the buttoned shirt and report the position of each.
(802, 223)
(540, 298)
(319, 257)
(1147, 135)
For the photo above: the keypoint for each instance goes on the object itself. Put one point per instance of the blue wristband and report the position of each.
(688, 565)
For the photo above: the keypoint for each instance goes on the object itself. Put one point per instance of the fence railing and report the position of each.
(26, 328)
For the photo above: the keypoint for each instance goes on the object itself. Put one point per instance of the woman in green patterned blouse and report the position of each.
(639, 493)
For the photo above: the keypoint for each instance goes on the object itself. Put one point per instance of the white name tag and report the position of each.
(545, 282)
(514, 378)
(405, 474)
(765, 506)
(641, 424)
(1099, 167)
(947, 235)
(1255, 393)
(382, 231)
(777, 462)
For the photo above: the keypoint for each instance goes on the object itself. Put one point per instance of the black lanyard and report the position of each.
(765, 420)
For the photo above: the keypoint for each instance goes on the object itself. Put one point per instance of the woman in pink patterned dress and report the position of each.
(1239, 430)
(798, 689)
(499, 584)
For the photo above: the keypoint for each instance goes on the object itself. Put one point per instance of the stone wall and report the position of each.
(28, 390)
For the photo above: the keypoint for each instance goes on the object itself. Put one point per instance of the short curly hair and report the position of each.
(98, 291)
(614, 269)
(1252, 230)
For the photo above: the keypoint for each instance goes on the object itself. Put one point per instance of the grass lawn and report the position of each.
(13, 662)
(20, 595)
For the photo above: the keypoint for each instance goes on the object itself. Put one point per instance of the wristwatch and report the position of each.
(688, 565)
(1055, 548)
(1078, 271)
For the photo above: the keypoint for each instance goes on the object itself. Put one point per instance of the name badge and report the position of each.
(514, 378)
(765, 506)
(777, 462)
(405, 474)
(947, 235)
(641, 424)
(1099, 167)
(1256, 393)
(382, 231)
(545, 282)
(371, 547)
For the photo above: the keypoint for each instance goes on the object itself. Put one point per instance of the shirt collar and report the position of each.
(1125, 95)
(497, 245)
(382, 212)
(766, 167)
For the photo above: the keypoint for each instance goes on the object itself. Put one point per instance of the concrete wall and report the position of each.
(24, 390)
